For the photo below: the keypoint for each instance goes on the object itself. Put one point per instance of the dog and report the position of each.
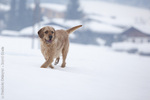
(54, 43)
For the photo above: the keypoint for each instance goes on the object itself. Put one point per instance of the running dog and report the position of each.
(54, 43)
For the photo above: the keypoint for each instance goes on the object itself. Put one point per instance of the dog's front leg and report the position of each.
(48, 63)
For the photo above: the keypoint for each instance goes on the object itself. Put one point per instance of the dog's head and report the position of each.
(47, 34)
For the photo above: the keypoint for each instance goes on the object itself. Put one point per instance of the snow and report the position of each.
(10, 32)
(68, 23)
(92, 73)
(124, 46)
(29, 30)
(112, 20)
(4, 7)
(45, 22)
(116, 14)
(106, 28)
(101, 41)
(112, 9)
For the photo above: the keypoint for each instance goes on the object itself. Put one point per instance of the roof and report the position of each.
(133, 32)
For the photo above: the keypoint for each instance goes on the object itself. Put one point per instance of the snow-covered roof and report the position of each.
(4, 7)
(103, 28)
(10, 32)
(143, 28)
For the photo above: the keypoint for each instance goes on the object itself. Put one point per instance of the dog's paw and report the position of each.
(51, 67)
(63, 65)
(43, 67)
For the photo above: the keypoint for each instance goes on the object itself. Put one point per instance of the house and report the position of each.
(53, 10)
(134, 35)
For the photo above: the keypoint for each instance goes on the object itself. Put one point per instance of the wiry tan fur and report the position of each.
(58, 45)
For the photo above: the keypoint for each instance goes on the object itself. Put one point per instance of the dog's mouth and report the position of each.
(48, 41)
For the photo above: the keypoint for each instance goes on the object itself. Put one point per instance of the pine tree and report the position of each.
(4, 1)
(19, 16)
(22, 15)
(73, 11)
(12, 15)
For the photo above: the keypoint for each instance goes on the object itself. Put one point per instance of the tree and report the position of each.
(23, 17)
(4, 1)
(73, 10)
(19, 16)
(12, 15)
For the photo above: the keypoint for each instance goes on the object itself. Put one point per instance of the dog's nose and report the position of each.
(50, 37)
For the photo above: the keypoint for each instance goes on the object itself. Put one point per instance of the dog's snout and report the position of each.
(50, 37)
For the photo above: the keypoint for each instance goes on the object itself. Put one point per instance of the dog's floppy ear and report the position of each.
(53, 29)
(41, 35)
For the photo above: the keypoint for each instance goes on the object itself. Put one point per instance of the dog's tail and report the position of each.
(73, 29)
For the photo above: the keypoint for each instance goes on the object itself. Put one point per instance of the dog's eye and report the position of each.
(52, 32)
(46, 32)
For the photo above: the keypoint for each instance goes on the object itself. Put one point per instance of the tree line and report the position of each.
(22, 15)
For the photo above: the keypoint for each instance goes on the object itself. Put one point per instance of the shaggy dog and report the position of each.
(54, 43)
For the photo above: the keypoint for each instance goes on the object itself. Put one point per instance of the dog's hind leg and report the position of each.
(57, 60)
(64, 55)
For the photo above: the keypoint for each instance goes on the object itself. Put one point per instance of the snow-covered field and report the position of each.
(92, 73)
(125, 46)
